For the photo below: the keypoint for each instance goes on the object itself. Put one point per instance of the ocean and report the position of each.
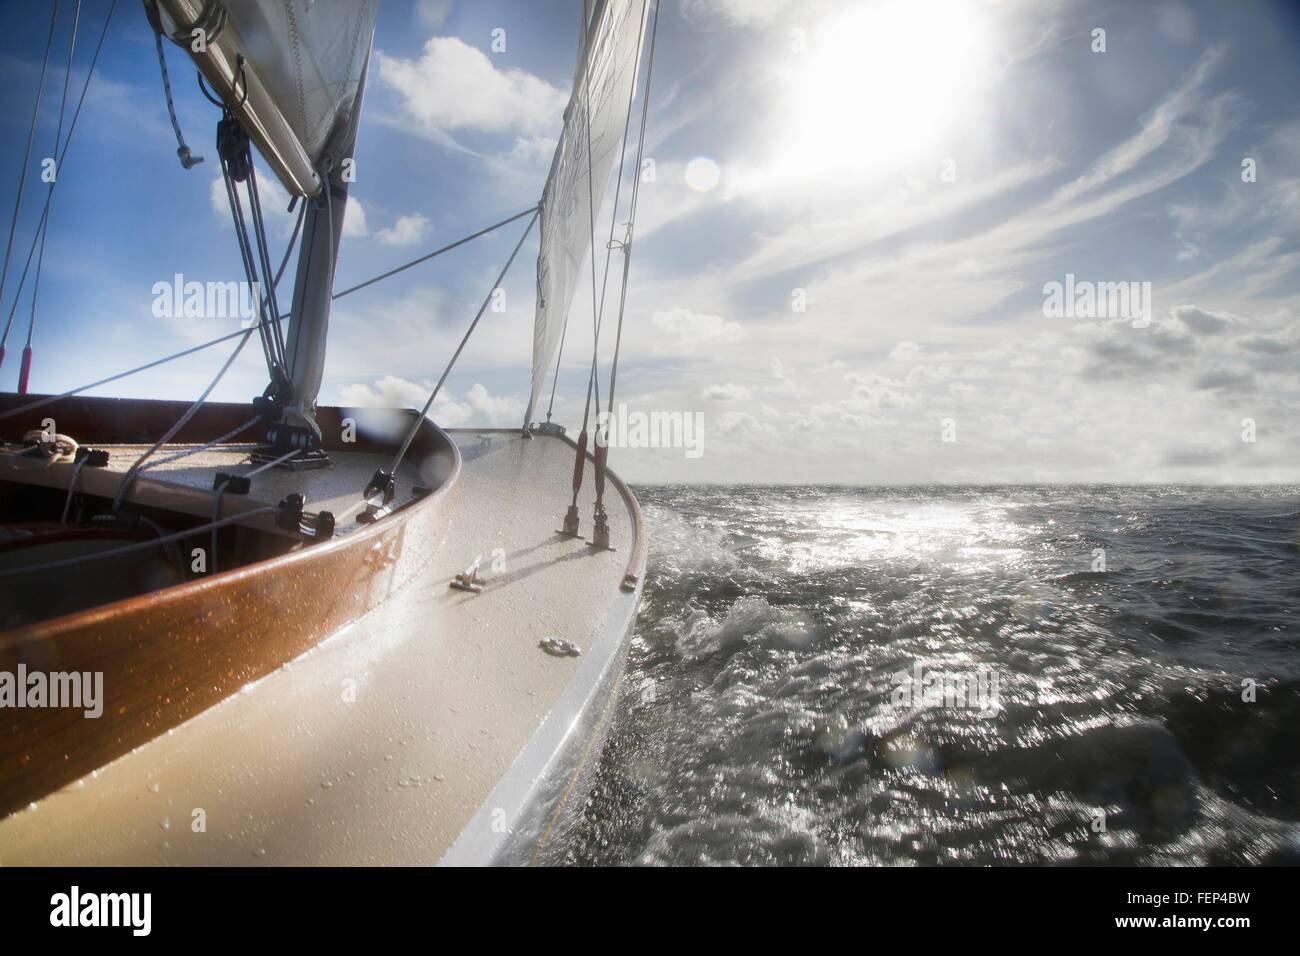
(958, 676)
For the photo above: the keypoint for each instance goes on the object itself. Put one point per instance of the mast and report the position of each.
(313, 289)
(289, 76)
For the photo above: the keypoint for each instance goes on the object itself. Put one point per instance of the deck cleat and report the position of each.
(379, 495)
(291, 517)
(232, 484)
(468, 581)
(547, 428)
(92, 457)
(558, 648)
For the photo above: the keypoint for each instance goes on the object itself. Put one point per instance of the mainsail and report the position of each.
(303, 63)
(595, 116)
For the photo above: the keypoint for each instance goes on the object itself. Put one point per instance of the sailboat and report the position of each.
(286, 633)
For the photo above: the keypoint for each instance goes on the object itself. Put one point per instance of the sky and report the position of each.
(844, 255)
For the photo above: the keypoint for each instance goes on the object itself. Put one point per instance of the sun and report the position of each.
(883, 83)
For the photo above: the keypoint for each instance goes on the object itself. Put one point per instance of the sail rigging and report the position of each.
(303, 63)
(589, 144)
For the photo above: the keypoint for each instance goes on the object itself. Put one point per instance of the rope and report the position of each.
(415, 424)
(23, 376)
(22, 173)
(41, 403)
(49, 196)
(188, 159)
(138, 546)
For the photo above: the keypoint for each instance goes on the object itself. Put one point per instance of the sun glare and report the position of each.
(883, 83)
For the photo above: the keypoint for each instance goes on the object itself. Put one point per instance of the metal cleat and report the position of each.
(378, 495)
(558, 648)
(467, 581)
(548, 428)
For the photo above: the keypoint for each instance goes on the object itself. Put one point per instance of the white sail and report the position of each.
(304, 60)
(601, 89)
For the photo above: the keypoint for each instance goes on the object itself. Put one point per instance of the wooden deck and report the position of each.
(382, 743)
(185, 484)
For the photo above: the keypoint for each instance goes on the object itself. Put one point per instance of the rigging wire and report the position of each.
(591, 217)
(593, 385)
(601, 536)
(436, 252)
(631, 223)
(199, 449)
(22, 175)
(129, 478)
(233, 148)
(230, 149)
(415, 424)
(67, 144)
(555, 379)
(609, 246)
(42, 402)
(25, 369)
(264, 254)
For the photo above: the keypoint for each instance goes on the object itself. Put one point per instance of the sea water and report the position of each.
(804, 686)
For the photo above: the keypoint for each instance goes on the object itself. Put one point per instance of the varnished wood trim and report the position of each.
(171, 654)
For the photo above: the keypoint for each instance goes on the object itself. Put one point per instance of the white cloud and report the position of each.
(738, 11)
(274, 199)
(905, 352)
(478, 407)
(354, 220)
(390, 391)
(432, 14)
(406, 231)
(690, 332)
(453, 87)
(727, 392)
(532, 150)
(498, 410)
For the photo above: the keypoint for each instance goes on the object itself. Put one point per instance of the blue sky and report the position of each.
(919, 171)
